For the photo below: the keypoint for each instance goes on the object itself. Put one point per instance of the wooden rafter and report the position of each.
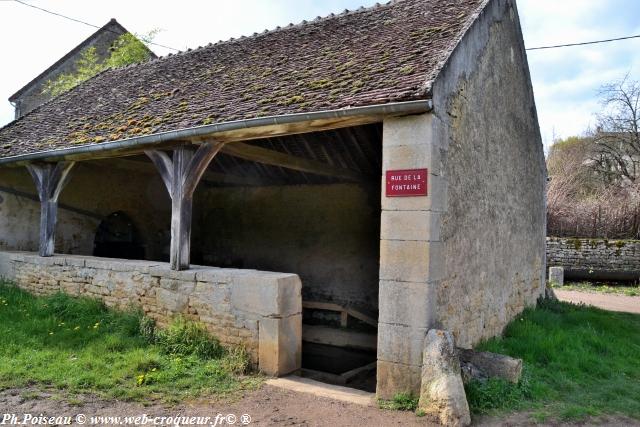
(277, 158)
(209, 177)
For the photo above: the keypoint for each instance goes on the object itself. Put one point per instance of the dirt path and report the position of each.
(268, 406)
(606, 301)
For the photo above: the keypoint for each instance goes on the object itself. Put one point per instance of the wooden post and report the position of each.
(50, 179)
(181, 175)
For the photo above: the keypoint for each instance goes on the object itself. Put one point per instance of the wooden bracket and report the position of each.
(50, 179)
(181, 175)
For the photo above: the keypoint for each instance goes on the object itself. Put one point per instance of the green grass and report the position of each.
(578, 362)
(400, 402)
(78, 345)
(605, 288)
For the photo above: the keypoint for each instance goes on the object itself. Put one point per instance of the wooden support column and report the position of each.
(50, 179)
(181, 175)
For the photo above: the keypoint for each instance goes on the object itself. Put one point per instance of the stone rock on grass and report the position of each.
(482, 364)
(442, 393)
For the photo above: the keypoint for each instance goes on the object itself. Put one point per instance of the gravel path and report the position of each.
(611, 302)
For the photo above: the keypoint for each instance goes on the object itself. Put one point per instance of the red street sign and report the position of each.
(408, 182)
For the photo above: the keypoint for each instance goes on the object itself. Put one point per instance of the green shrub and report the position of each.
(186, 338)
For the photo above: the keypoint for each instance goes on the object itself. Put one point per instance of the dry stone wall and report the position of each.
(258, 310)
(595, 259)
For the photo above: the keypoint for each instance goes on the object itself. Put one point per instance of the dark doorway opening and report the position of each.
(117, 237)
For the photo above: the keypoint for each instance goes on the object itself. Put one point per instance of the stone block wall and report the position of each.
(595, 259)
(410, 262)
(261, 311)
(493, 228)
(470, 256)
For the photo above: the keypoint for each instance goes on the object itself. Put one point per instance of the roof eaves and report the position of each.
(150, 141)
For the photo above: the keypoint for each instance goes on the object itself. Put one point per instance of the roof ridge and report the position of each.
(267, 31)
(255, 35)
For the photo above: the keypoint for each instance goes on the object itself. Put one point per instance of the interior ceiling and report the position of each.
(357, 149)
(351, 154)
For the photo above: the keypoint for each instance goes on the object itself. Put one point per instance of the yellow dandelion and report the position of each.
(50, 333)
(76, 328)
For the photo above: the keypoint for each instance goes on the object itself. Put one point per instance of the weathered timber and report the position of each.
(344, 311)
(50, 179)
(243, 134)
(181, 175)
(278, 158)
(210, 178)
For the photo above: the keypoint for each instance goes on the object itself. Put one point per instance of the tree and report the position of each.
(616, 150)
(126, 49)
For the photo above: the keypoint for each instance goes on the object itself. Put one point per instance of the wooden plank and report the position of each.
(363, 317)
(363, 371)
(344, 318)
(339, 337)
(278, 158)
(49, 179)
(316, 305)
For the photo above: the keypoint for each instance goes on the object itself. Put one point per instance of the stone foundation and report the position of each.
(261, 311)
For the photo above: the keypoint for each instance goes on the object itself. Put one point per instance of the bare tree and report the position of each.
(616, 148)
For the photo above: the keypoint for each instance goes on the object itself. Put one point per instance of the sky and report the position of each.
(565, 81)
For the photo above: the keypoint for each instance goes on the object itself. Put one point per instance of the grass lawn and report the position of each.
(605, 288)
(578, 362)
(79, 345)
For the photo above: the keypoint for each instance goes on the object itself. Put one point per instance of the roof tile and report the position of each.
(377, 55)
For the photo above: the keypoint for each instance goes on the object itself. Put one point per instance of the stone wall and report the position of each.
(327, 234)
(96, 189)
(33, 95)
(261, 311)
(595, 259)
(492, 161)
(470, 256)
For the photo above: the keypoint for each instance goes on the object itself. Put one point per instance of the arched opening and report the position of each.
(117, 237)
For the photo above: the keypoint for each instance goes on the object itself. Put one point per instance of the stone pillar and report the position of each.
(556, 276)
(411, 261)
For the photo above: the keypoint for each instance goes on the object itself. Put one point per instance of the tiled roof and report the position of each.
(387, 53)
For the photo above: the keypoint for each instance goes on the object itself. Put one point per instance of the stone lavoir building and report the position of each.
(386, 162)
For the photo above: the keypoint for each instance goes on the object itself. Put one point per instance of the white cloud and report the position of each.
(566, 80)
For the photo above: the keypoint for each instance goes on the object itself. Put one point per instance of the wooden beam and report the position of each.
(278, 158)
(244, 134)
(209, 178)
(50, 179)
(329, 306)
(181, 175)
